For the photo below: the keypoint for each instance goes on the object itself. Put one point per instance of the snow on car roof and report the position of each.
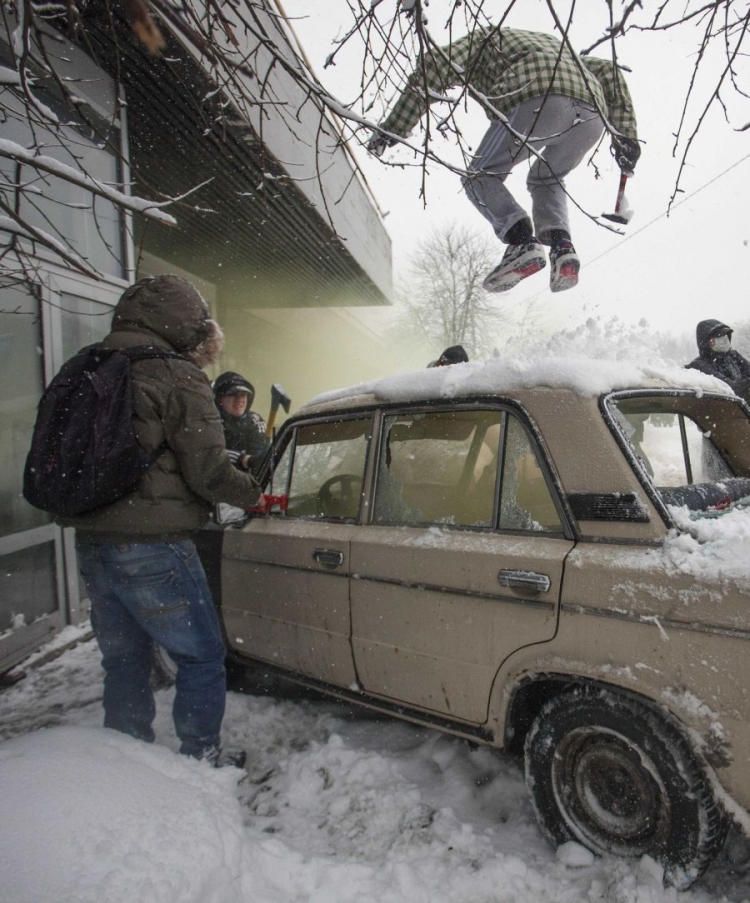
(580, 374)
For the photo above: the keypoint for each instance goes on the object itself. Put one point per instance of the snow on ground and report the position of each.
(336, 807)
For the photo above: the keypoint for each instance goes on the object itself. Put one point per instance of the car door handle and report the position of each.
(329, 558)
(524, 580)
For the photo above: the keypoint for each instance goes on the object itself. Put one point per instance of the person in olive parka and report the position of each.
(137, 556)
(718, 358)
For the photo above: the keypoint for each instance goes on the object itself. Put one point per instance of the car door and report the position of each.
(285, 579)
(461, 563)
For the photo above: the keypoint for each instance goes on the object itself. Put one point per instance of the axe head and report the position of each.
(279, 398)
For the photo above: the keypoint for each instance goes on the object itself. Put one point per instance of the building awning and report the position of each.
(284, 218)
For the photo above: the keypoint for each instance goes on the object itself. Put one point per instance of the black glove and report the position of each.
(378, 144)
(626, 152)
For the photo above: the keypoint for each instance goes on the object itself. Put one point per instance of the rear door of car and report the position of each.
(285, 579)
(461, 563)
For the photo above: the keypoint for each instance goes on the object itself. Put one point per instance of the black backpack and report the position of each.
(84, 453)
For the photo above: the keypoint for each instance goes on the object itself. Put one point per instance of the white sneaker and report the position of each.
(564, 265)
(519, 262)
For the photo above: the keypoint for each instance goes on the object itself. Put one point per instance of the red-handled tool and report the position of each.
(266, 503)
(623, 213)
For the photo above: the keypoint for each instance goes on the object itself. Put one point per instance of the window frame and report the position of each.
(104, 119)
(379, 412)
(288, 441)
(505, 407)
(609, 399)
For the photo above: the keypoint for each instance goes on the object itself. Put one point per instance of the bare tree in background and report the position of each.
(444, 299)
(242, 47)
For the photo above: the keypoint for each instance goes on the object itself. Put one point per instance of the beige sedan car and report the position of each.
(484, 555)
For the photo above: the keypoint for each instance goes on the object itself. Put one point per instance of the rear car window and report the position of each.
(461, 468)
(695, 450)
(526, 502)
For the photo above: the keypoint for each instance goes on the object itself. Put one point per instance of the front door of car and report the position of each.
(285, 580)
(461, 564)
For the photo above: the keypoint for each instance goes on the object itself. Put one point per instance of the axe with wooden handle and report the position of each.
(279, 398)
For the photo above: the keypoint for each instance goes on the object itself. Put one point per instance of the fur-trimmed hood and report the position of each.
(167, 306)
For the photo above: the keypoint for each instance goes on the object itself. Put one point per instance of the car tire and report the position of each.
(618, 777)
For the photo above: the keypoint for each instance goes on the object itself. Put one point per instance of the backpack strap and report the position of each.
(149, 352)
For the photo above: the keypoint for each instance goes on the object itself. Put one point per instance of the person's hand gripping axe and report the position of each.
(626, 152)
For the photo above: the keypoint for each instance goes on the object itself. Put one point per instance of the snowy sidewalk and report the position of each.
(335, 809)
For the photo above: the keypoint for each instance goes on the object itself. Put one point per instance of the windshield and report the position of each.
(696, 451)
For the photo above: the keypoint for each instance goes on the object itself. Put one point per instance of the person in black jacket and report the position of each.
(244, 430)
(718, 358)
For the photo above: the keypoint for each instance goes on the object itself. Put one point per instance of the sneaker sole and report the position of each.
(567, 277)
(505, 281)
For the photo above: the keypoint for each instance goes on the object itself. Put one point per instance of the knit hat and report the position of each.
(456, 354)
(230, 383)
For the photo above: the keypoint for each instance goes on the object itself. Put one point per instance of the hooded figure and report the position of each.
(138, 561)
(244, 430)
(718, 358)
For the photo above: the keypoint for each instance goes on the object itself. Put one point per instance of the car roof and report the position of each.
(515, 377)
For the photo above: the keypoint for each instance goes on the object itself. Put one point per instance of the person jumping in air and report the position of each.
(546, 105)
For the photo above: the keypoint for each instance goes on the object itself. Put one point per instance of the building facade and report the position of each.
(280, 263)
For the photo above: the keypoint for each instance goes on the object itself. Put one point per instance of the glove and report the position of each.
(626, 152)
(237, 458)
(378, 144)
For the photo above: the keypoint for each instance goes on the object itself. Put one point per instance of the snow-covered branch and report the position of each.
(42, 163)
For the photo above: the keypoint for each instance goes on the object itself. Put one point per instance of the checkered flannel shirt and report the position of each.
(509, 66)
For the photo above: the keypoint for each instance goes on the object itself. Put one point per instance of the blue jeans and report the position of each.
(143, 593)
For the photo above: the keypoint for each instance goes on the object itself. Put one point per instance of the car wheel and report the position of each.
(617, 777)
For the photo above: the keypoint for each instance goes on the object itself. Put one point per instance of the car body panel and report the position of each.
(283, 606)
(416, 617)
(699, 677)
(430, 621)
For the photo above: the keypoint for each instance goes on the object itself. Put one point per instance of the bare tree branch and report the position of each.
(241, 49)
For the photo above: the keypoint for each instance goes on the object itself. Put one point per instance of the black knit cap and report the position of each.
(230, 383)
(456, 354)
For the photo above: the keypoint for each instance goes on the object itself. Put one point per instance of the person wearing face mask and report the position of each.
(718, 358)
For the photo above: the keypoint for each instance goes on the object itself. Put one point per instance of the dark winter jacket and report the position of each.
(246, 435)
(173, 404)
(729, 366)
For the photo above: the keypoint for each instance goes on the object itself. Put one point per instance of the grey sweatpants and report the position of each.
(562, 130)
